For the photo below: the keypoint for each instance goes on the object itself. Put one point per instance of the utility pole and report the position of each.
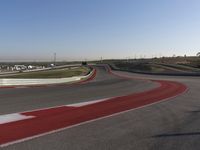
(101, 59)
(54, 59)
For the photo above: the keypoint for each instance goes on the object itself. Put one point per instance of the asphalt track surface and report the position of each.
(170, 124)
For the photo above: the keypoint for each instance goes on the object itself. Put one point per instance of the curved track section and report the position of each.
(102, 86)
(44, 121)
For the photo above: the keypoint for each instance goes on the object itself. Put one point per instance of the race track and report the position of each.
(170, 115)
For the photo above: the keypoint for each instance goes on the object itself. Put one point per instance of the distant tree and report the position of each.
(84, 63)
(198, 54)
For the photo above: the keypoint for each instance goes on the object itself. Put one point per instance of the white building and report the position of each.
(20, 67)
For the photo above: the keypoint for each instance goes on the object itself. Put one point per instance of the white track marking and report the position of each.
(87, 103)
(13, 117)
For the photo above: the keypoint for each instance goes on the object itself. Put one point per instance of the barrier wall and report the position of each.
(15, 82)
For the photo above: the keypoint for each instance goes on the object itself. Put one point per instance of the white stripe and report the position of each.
(12, 118)
(87, 103)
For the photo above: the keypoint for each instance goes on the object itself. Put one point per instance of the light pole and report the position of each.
(54, 59)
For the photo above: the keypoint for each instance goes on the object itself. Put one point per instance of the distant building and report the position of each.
(30, 67)
(20, 67)
(52, 65)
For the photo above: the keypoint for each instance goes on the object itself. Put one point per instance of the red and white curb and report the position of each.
(13, 117)
(9, 118)
(23, 126)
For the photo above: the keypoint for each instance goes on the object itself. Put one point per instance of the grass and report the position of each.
(155, 68)
(57, 73)
(182, 67)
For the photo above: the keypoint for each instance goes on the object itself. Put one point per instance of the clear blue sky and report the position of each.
(89, 29)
